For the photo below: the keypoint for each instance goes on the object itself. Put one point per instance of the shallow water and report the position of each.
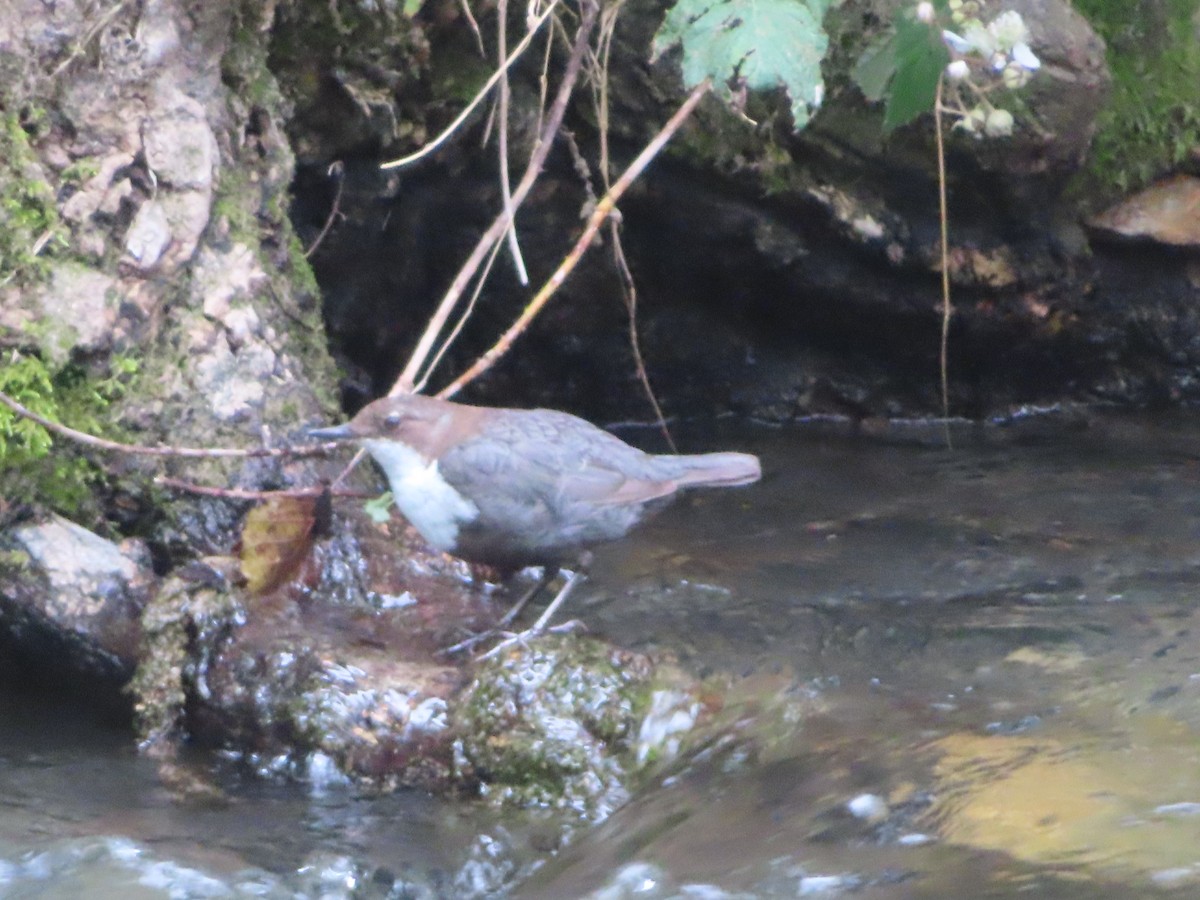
(991, 653)
(83, 815)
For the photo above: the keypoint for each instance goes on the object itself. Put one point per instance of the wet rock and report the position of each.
(1165, 213)
(552, 724)
(337, 674)
(74, 594)
(289, 688)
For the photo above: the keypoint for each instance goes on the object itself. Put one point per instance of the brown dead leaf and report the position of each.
(276, 538)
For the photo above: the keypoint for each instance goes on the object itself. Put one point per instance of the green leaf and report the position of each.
(920, 59)
(876, 67)
(761, 44)
(380, 508)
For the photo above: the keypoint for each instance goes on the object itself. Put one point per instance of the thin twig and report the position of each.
(603, 209)
(336, 171)
(92, 31)
(608, 27)
(629, 292)
(90, 440)
(475, 101)
(243, 494)
(470, 17)
(438, 320)
(358, 457)
(463, 318)
(544, 81)
(205, 490)
(944, 221)
(514, 246)
(42, 240)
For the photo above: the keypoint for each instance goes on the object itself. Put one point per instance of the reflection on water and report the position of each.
(967, 673)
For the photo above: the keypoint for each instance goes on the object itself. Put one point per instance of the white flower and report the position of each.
(1015, 76)
(1008, 29)
(955, 42)
(925, 12)
(1025, 58)
(999, 123)
(979, 39)
(958, 70)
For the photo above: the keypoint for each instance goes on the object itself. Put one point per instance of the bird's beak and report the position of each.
(336, 433)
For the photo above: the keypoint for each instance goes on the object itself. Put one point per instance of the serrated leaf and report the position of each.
(876, 67)
(276, 539)
(920, 59)
(761, 44)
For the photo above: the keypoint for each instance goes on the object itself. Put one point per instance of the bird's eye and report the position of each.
(392, 421)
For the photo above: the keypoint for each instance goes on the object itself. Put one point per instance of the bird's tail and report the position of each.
(717, 469)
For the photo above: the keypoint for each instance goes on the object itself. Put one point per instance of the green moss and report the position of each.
(29, 222)
(231, 209)
(304, 282)
(81, 171)
(548, 725)
(37, 468)
(1152, 120)
(185, 623)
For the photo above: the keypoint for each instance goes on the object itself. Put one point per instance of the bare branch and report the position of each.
(603, 210)
(242, 494)
(514, 246)
(475, 101)
(470, 17)
(336, 171)
(90, 440)
(437, 322)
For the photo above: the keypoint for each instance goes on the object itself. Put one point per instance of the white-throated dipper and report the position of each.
(521, 487)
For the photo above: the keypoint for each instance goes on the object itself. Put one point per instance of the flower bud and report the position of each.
(973, 121)
(958, 70)
(999, 123)
(1015, 77)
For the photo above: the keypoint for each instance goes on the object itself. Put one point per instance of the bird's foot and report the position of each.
(549, 573)
(469, 643)
(541, 626)
(510, 638)
(524, 637)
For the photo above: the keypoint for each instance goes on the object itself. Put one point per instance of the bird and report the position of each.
(513, 488)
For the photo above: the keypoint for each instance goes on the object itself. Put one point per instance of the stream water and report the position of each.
(951, 673)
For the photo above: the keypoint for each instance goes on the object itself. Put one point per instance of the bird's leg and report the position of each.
(544, 619)
(538, 627)
(549, 573)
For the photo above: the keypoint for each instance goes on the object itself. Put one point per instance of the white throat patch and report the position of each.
(421, 493)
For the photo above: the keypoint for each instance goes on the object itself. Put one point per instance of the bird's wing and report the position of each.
(556, 464)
